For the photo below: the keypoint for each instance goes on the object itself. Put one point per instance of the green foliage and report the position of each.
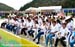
(39, 3)
(4, 7)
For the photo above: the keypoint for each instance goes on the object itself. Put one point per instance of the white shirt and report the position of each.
(54, 28)
(19, 20)
(21, 24)
(40, 21)
(11, 21)
(25, 21)
(45, 19)
(59, 25)
(70, 25)
(63, 31)
(73, 22)
(35, 27)
(48, 25)
(17, 23)
(29, 25)
(43, 28)
(6, 20)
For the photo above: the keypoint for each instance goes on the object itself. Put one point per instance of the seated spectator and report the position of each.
(54, 29)
(41, 31)
(62, 34)
(30, 26)
(23, 27)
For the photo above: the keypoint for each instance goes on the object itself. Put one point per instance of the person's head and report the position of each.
(54, 23)
(58, 21)
(36, 22)
(44, 22)
(29, 19)
(49, 19)
(25, 17)
(63, 25)
(22, 21)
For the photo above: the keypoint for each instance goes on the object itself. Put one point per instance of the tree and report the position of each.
(39, 3)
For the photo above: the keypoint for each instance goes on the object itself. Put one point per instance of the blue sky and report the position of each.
(16, 4)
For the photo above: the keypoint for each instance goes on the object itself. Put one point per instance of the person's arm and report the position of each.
(34, 26)
(53, 32)
(49, 28)
(67, 32)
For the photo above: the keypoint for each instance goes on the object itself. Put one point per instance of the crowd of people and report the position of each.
(51, 27)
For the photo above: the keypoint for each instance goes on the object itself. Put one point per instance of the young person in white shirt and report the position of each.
(54, 29)
(62, 34)
(15, 26)
(30, 26)
(10, 23)
(72, 36)
(23, 27)
(48, 25)
(41, 31)
(35, 28)
(69, 24)
(40, 20)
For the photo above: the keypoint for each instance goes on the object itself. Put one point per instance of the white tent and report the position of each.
(31, 8)
(46, 8)
(55, 8)
(50, 7)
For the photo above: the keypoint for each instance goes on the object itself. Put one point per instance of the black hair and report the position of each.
(22, 20)
(36, 22)
(43, 21)
(46, 20)
(58, 21)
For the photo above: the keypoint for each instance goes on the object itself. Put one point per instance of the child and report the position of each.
(40, 32)
(54, 30)
(62, 35)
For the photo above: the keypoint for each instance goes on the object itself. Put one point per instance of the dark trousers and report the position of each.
(61, 41)
(38, 36)
(24, 31)
(3, 25)
(30, 32)
(9, 27)
(14, 29)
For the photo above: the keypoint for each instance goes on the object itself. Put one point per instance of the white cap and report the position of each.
(63, 21)
(67, 17)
